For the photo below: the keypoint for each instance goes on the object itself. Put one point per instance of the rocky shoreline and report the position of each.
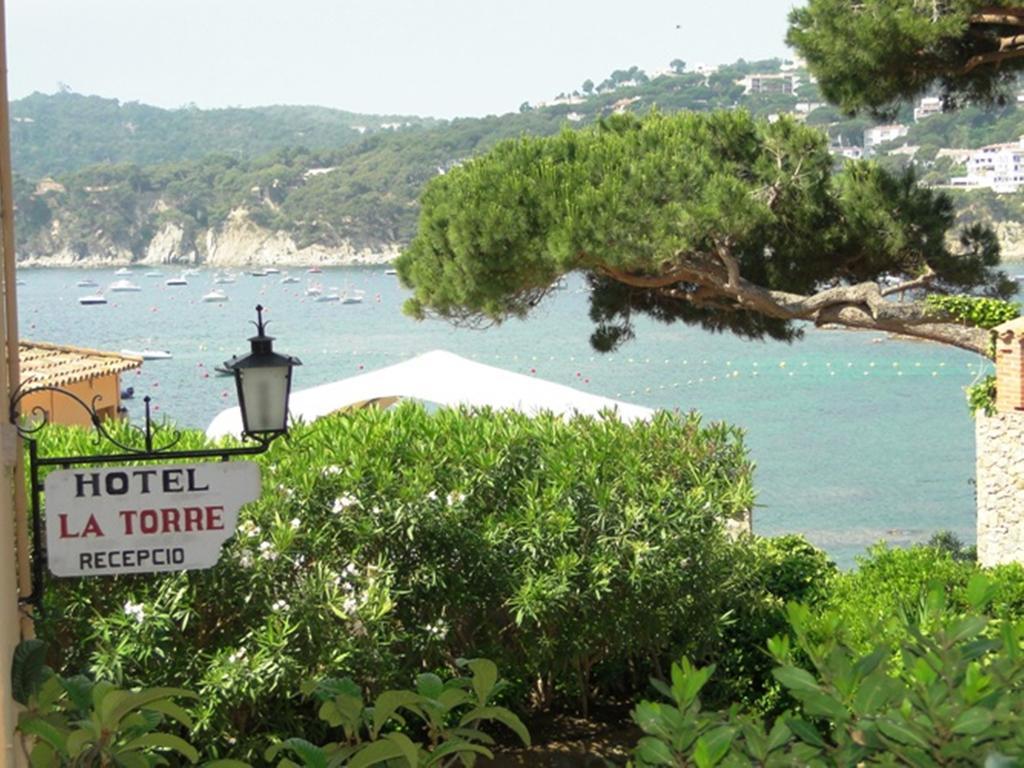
(239, 242)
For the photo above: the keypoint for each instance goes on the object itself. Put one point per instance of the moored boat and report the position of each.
(123, 286)
(180, 280)
(215, 295)
(87, 283)
(148, 354)
(96, 298)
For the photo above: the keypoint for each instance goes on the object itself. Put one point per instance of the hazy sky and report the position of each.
(428, 57)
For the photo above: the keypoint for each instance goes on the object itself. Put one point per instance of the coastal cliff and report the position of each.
(239, 242)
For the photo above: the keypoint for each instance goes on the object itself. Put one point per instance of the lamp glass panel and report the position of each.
(265, 398)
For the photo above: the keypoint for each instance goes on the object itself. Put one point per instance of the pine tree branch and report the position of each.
(861, 305)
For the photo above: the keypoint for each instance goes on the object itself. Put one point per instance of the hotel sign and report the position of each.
(106, 522)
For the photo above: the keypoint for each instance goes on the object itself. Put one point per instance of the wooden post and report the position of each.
(15, 572)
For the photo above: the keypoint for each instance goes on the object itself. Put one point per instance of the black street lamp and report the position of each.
(264, 381)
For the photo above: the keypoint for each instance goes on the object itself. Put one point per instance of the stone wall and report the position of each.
(1000, 478)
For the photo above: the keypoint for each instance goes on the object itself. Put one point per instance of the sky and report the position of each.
(440, 58)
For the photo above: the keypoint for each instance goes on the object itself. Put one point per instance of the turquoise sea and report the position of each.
(856, 437)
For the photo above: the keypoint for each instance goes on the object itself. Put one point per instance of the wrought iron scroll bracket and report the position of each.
(157, 443)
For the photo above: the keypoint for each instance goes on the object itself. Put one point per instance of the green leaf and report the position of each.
(796, 679)
(973, 722)
(502, 715)
(79, 690)
(980, 591)
(33, 725)
(805, 731)
(374, 753)
(164, 741)
(386, 705)
(968, 627)
(408, 749)
(311, 755)
(456, 747)
(874, 692)
(823, 705)
(711, 747)
(485, 676)
(429, 685)
(140, 700)
(28, 669)
(779, 736)
(901, 732)
(43, 756)
(226, 763)
(654, 752)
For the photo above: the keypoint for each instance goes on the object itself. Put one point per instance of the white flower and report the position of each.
(136, 610)
(456, 497)
(245, 559)
(296, 523)
(438, 629)
(280, 605)
(343, 502)
(432, 496)
(349, 605)
(237, 656)
(334, 469)
(267, 551)
(254, 531)
(350, 569)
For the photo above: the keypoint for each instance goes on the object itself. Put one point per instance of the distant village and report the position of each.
(996, 167)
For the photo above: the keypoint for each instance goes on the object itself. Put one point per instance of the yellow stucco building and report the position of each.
(90, 374)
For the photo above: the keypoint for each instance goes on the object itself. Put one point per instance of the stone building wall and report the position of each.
(1000, 478)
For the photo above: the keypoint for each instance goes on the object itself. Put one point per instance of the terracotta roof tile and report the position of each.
(54, 365)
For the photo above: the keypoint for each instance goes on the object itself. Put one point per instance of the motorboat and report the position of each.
(314, 289)
(331, 295)
(180, 280)
(289, 279)
(123, 271)
(259, 273)
(215, 295)
(314, 271)
(155, 273)
(148, 354)
(123, 286)
(390, 271)
(223, 279)
(87, 283)
(190, 272)
(96, 298)
(351, 297)
(271, 271)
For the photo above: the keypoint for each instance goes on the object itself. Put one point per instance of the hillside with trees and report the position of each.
(99, 181)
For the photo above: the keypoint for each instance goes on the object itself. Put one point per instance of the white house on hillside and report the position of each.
(926, 107)
(770, 83)
(880, 134)
(999, 167)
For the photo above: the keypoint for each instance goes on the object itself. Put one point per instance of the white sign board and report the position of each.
(105, 522)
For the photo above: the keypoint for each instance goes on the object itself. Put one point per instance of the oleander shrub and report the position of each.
(581, 556)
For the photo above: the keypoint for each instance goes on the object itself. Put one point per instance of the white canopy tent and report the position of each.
(445, 379)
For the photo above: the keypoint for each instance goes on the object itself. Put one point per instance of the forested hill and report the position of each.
(52, 134)
(99, 181)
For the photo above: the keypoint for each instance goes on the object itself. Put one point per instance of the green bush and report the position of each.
(579, 555)
(866, 602)
(950, 693)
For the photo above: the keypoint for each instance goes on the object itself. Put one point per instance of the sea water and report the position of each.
(857, 437)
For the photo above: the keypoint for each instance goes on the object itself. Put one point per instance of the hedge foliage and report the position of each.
(581, 556)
